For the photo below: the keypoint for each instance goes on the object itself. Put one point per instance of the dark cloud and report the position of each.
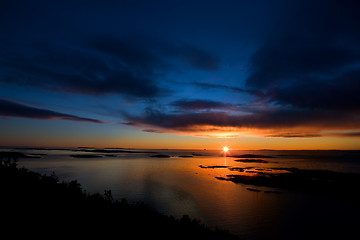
(306, 75)
(293, 135)
(67, 68)
(228, 88)
(179, 121)
(132, 53)
(345, 134)
(293, 59)
(316, 38)
(279, 119)
(148, 54)
(312, 63)
(104, 65)
(350, 134)
(199, 104)
(149, 130)
(13, 109)
(340, 93)
(198, 58)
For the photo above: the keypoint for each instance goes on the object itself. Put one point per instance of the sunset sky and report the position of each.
(256, 74)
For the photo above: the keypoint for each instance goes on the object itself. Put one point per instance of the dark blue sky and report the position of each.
(180, 71)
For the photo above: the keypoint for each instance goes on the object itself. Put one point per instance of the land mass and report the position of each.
(34, 205)
(324, 182)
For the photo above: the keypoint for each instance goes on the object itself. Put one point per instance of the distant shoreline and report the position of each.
(160, 149)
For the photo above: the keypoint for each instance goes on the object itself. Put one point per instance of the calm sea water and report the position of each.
(177, 186)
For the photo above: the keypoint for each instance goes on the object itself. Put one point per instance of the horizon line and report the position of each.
(202, 149)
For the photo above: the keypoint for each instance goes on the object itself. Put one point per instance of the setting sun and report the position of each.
(225, 149)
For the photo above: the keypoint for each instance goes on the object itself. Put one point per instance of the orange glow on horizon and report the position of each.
(107, 136)
(159, 141)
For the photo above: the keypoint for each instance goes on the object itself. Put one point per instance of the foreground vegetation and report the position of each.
(35, 205)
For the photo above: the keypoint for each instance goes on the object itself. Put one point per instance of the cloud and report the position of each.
(100, 65)
(198, 58)
(199, 104)
(148, 54)
(309, 69)
(355, 133)
(271, 123)
(306, 75)
(70, 69)
(291, 59)
(319, 39)
(293, 135)
(228, 88)
(131, 53)
(13, 109)
(340, 93)
(149, 130)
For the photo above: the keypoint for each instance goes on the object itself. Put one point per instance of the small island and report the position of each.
(324, 182)
(214, 166)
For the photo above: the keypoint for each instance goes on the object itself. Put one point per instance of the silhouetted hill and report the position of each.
(34, 205)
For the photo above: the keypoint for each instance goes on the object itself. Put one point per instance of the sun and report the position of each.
(225, 149)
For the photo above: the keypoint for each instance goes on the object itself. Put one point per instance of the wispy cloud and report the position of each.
(355, 133)
(100, 65)
(294, 135)
(311, 63)
(14, 109)
(229, 88)
(199, 104)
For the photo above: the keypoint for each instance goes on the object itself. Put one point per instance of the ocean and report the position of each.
(192, 182)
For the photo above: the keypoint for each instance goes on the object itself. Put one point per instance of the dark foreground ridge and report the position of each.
(34, 205)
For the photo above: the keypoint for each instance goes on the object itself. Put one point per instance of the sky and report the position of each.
(262, 74)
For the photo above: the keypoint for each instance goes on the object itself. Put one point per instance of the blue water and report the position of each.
(178, 186)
